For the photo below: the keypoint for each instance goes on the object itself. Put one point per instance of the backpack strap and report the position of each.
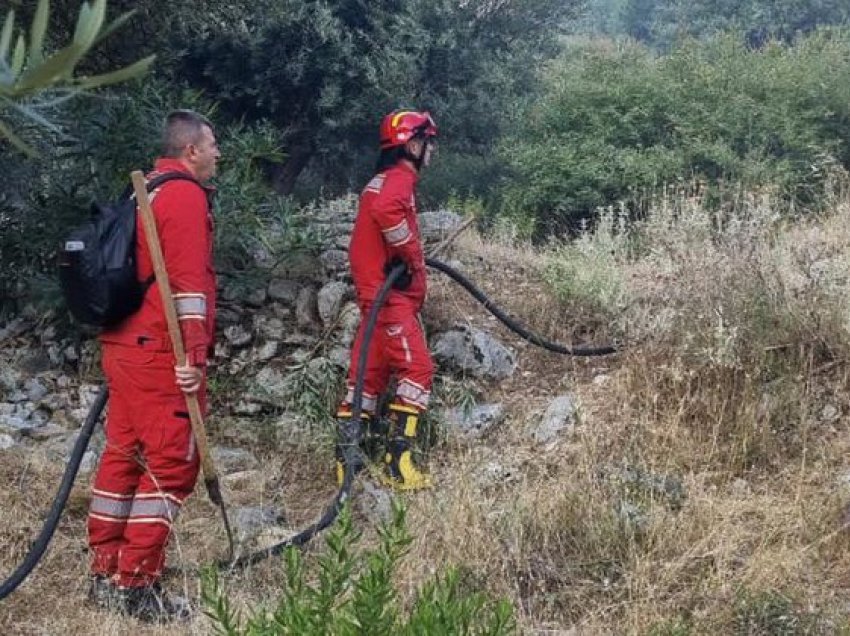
(157, 181)
(152, 185)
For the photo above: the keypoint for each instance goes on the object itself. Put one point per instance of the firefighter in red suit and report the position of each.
(150, 464)
(386, 232)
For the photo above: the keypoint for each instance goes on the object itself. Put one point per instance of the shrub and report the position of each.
(110, 137)
(617, 121)
(353, 593)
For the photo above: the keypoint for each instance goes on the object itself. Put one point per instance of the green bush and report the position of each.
(618, 121)
(110, 137)
(354, 593)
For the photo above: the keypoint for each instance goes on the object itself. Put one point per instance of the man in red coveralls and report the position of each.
(386, 232)
(150, 464)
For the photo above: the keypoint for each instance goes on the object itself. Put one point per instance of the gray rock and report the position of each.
(349, 319)
(476, 352)
(436, 225)
(233, 460)
(300, 340)
(238, 336)
(89, 462)
(60, 448)
(270, 385)
(39, 417)
(35, 362)
(45, 432)
(340, 356)
(267, 351)
(495, 473)
(221, 351)
(87, 394)
(285, 291)
(248, 522)
(10, 378)
(16, 423)
(281, 311)
(829, 413)
(54, 352)
(474, 423)
(306, 307)
(375, 503)
(329, 301)
(245, 407)
(225, 316)
(268, 327)
(48, 334)
(70, 353)
(302, 266)
(256, 297)
(335, 260)
(559, 417)
(16, 397)
(7, 442)
(35, 390)
(14, 328)
(665, 486)
(238, 362)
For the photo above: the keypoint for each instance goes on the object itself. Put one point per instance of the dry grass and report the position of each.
(737, 331)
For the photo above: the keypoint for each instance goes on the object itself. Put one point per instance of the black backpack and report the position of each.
(97, 262)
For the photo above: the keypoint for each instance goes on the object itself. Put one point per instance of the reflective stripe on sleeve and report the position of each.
(190, 306)
(398, 234)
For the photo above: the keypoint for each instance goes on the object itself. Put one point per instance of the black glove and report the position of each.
(403, 280)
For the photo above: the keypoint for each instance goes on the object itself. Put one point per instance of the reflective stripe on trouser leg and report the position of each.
(409, 358)
(148, 529)
(116, 479)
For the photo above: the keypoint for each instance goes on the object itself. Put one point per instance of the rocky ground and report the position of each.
(282, 350)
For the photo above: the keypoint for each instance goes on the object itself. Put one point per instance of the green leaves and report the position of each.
(30, 73)
(618, 121)
(354, 594)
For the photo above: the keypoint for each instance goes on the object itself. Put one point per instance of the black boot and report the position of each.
(105, 595)
(348, 451)
(152, 604)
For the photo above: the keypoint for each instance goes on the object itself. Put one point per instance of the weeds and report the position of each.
(354, 593)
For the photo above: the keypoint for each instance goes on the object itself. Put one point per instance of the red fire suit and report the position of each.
(150, 464)
(386, 227)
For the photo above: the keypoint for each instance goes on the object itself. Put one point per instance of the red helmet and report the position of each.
(400, 126)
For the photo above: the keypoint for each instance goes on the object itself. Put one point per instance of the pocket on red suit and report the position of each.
(171, 436)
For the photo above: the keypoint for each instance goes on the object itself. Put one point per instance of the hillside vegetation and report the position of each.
(675, 179)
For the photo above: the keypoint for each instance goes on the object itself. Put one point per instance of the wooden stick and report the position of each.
(451, 237)
(195, 417)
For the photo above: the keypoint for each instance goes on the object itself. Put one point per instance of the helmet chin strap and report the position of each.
(417, 161)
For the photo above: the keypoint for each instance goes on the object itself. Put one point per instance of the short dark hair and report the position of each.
(182, 128)
(388, 158)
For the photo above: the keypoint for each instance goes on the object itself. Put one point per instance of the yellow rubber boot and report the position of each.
(400, 473)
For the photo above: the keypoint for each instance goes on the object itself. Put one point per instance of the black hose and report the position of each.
(349, 450)
(343, 494)
(40, 545)
(512, 324)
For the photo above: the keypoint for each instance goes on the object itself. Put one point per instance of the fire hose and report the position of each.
(351, 460)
